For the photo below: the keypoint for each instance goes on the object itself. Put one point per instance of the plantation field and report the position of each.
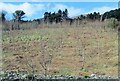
(77, 50)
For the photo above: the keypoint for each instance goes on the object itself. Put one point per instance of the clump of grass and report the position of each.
(112, 22)
(65, 71)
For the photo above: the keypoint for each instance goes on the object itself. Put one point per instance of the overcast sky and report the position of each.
(36, 9)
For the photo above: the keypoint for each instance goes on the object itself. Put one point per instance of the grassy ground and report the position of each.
(77, 50)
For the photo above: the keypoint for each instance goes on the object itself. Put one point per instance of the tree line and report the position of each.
(60, 17)
(63, 15)
(55, 17)
(112, 14)
(18, 15)
(91, 16)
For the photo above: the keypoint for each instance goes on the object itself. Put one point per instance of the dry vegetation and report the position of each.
(76, 50)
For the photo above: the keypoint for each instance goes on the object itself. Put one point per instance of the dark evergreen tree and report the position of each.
(90, 16)
(2, 15)
(65, 13)
(46, 17)
(59, 16)
(112, 14)
(53, 17)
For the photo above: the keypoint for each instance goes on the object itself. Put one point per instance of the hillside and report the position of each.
(82, 50)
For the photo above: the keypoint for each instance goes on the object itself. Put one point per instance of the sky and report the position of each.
(59, 0)
(35, 10)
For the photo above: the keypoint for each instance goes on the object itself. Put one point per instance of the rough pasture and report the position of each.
(77, 50)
